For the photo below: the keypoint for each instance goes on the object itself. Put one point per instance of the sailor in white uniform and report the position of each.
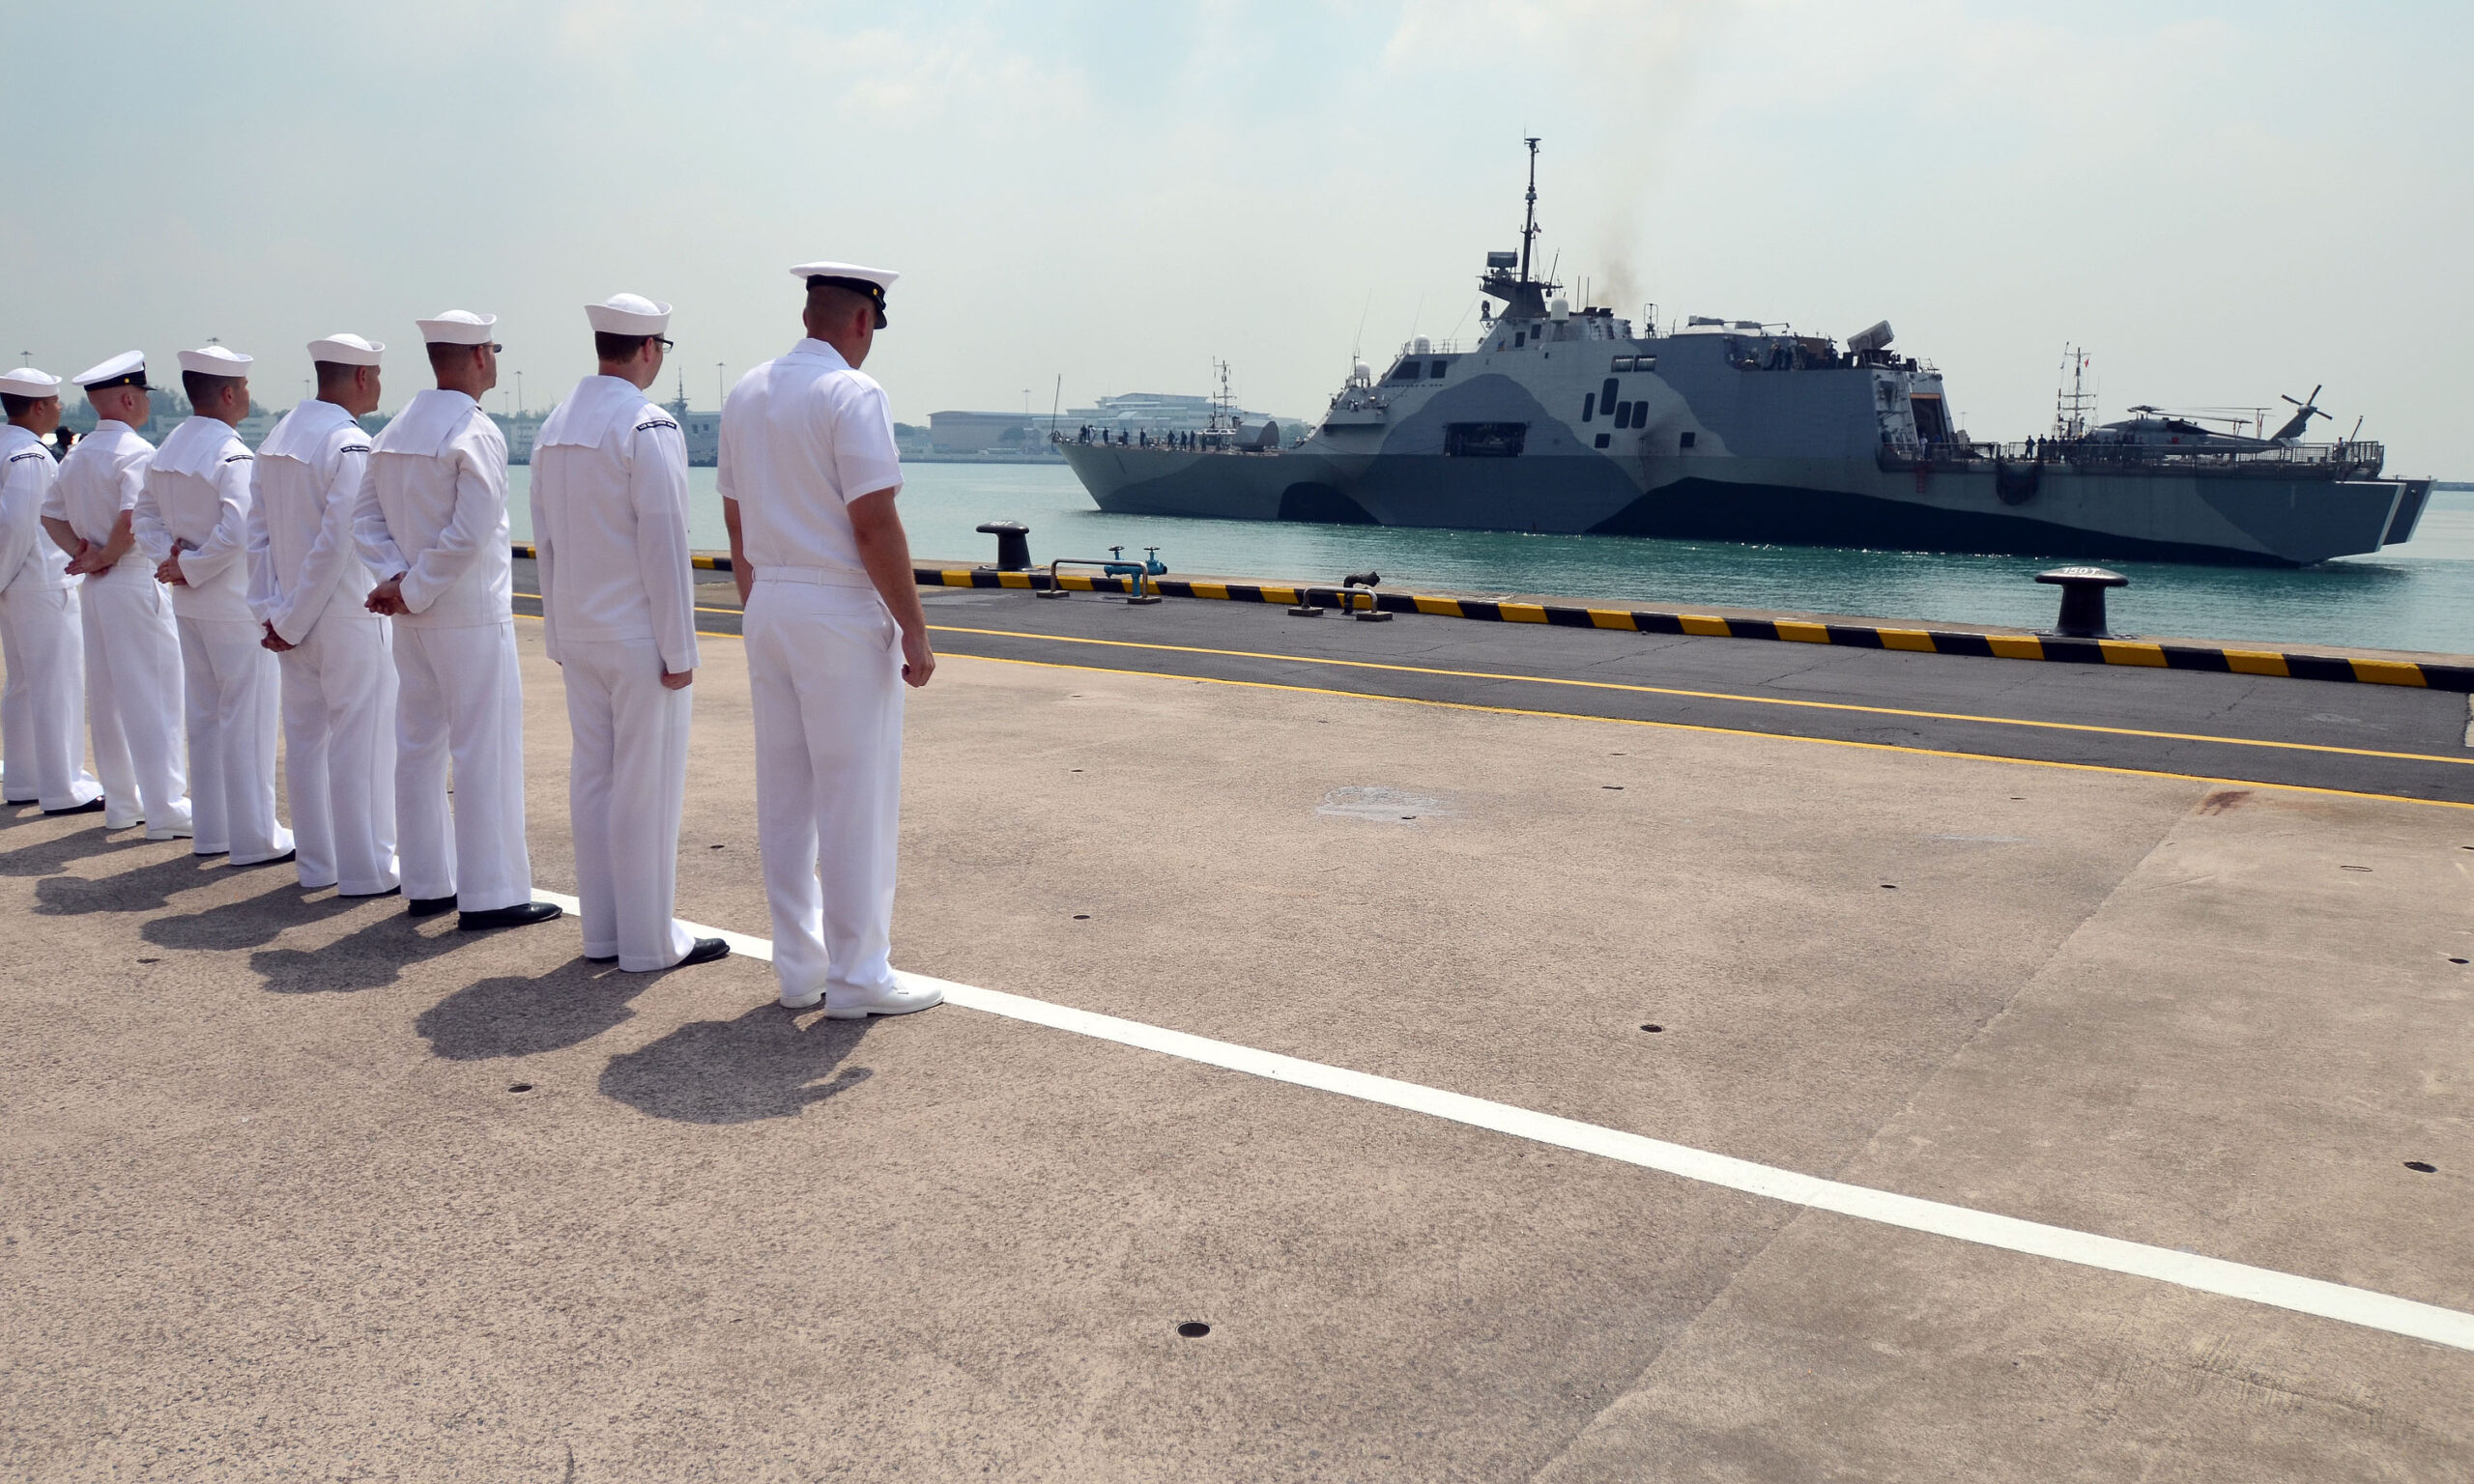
(431, 522)
(618, 601)
(833, 627)
(308, 587)
(192, 522)
(42, 712)
(133, 698)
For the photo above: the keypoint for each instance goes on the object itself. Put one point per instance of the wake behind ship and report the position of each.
(1572, 422)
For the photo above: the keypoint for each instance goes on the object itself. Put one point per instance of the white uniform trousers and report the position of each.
(42, 712)
(825, 668)
(461, 700)
(339, 753)
(625, 787)
(235, 714)
(133, 700)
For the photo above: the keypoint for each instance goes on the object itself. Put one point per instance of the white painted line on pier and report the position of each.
(2184, 1270)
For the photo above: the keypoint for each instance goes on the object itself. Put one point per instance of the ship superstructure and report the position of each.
(1577, 421)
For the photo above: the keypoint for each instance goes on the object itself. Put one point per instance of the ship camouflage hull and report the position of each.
(2152, 517)
(1570, 423)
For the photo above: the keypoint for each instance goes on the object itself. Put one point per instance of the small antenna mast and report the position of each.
(1528, 214)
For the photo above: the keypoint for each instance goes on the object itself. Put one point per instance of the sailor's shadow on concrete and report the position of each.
(139, 889)
(369, 957)
(515, 1016)
(249, 921)
(52, 856)
(762, 1065)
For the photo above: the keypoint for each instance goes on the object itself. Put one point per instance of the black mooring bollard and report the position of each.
(2083, 599)
(1012, 544)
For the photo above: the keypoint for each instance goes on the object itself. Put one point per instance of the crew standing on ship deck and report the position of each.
(833, 627)
(42, 713)
(432, 516)
(132, 649)
(193, 523)
(617, 604)
(307, 589)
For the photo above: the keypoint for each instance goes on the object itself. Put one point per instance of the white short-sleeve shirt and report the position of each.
(802, 437)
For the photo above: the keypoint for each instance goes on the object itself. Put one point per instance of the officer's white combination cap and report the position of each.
(458, 327)
(882, 278)
(27, 382)
(346, 351)
(629, 314)
(215, 361)
(129, 366)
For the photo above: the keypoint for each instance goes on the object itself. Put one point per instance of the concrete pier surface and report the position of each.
(272, 1206)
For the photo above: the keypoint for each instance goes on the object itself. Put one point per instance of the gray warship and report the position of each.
(1571, 421)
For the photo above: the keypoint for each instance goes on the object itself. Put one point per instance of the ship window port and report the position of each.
(1635, 363)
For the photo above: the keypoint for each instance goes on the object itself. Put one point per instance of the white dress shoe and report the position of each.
(891, 1000)
(807, 1001)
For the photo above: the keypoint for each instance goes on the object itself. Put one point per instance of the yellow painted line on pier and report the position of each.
(1741, 731)
(1797, 630)
(2256, 662)
(2126, 651)
(1913, 641)
(1704, 624)
(1665, 690)
(1723, 732)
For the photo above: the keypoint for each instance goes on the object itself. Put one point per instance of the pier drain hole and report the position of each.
(1889, 886)
(1617, 787)
(1193, 1329)
(2422, 1166)
(519, 1087)
(1082, 917)
(150, 960)
(158, 960)
(1653, 1028)
(713, 847)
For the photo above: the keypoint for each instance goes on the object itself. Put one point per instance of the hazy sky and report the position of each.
(2222, 202)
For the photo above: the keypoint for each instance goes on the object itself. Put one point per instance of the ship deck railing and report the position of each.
(2342, 460)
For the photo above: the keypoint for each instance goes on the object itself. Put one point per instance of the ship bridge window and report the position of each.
(1406, 371)
(1435, 371)
(1519, 338)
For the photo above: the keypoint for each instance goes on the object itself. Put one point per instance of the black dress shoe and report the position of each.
(272, 860)
(523, 914)
(92, 806)
(706, 951)
(391, 891)
(601, 957)
(429, 906)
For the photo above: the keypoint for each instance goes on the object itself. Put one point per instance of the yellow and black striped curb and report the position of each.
(2135, 652)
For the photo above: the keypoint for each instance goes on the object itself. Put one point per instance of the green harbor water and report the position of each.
(2416, 597)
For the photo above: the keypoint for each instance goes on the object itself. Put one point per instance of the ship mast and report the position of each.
(1528, 214)
(2073, 407)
